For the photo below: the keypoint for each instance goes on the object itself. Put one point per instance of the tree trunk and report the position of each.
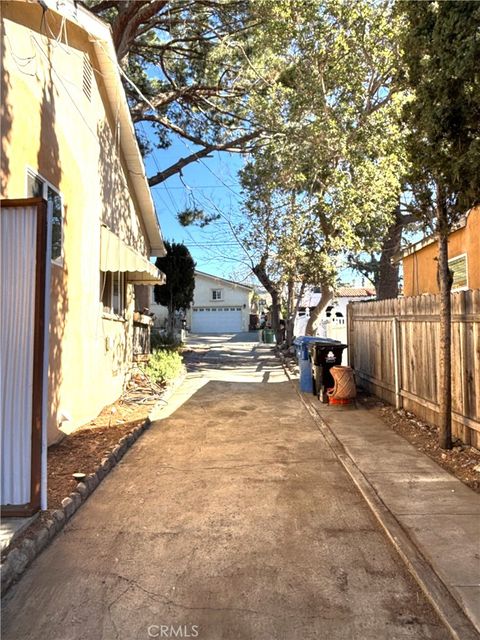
(260, 272)
(293, 312)
(327, 295)
(386, 281)
(276, 314)
(289, 320)
(445, 348)
(171, 317)
(380, 271)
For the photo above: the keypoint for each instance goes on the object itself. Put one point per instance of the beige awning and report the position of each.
(116, 255)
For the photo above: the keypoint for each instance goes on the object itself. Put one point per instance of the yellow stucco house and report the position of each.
(67, 137)
(420, 259)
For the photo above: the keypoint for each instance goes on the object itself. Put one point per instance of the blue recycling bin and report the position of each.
(302, 344)
(301, 348)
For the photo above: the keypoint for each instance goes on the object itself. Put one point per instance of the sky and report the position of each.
(211, 184)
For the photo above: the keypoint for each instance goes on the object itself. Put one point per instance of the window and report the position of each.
(112, 292)
(458, 267)
(38, 187)
(216, 294)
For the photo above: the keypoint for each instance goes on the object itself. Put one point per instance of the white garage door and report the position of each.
(216, 320)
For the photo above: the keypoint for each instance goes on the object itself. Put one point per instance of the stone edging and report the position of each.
(19, 558)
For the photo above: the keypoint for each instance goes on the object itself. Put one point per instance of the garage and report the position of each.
(216, 319)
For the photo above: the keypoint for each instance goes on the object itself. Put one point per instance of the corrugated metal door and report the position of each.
(23, 234)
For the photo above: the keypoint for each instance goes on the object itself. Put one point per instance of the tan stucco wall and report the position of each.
(420, 268)
(54, 129)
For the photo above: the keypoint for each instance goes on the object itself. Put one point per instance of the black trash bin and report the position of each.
(324, 355)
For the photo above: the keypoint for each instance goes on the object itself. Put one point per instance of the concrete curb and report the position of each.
(442, 600)
(19, 558)
(445, 604)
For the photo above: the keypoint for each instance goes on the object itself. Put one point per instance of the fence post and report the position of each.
(350, 345)
(396, 363)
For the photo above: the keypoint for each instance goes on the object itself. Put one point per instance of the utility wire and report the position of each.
(184, 142)
(195, 186)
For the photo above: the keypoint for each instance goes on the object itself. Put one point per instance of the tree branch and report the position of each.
(129, 19)
(232, 145)
(101, 6)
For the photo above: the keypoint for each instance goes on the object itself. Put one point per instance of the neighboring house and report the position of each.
(67, 136)
(261, 300)
(336, 310)
(420, 259)
(333, 320)
(219, 306)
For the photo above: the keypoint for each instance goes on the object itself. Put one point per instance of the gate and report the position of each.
(23, 265)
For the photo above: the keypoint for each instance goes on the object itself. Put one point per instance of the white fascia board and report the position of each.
(223, 280)
(101, 37)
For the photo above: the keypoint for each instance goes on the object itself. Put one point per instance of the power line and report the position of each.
(184, 142)
(197, 186)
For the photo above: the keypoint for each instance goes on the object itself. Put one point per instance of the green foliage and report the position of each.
(441, 49)
(195, 62)
(179, 268)
(164, 365)
(329, 180)
(196, 216)
(442, 53)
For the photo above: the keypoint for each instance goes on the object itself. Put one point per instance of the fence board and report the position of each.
(373, 340)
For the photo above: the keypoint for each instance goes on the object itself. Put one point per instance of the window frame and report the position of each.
(214, 298)
(450, 260)
(107, 279)
(46, 185)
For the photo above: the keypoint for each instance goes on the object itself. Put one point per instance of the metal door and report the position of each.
(23, 268)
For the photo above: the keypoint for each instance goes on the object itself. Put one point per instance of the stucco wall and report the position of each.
(420, 268)
(161, 312)
(53, 128)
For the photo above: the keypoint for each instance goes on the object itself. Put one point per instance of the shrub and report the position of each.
(164, 365)
(164, 341)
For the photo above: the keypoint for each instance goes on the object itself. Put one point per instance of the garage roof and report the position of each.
(218, 278)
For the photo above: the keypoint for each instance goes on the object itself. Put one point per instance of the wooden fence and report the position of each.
(393, 347)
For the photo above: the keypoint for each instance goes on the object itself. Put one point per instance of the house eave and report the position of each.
(101, 38)
(220, 279)
(427, 241)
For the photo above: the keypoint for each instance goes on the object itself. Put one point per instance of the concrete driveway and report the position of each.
(230, 518)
